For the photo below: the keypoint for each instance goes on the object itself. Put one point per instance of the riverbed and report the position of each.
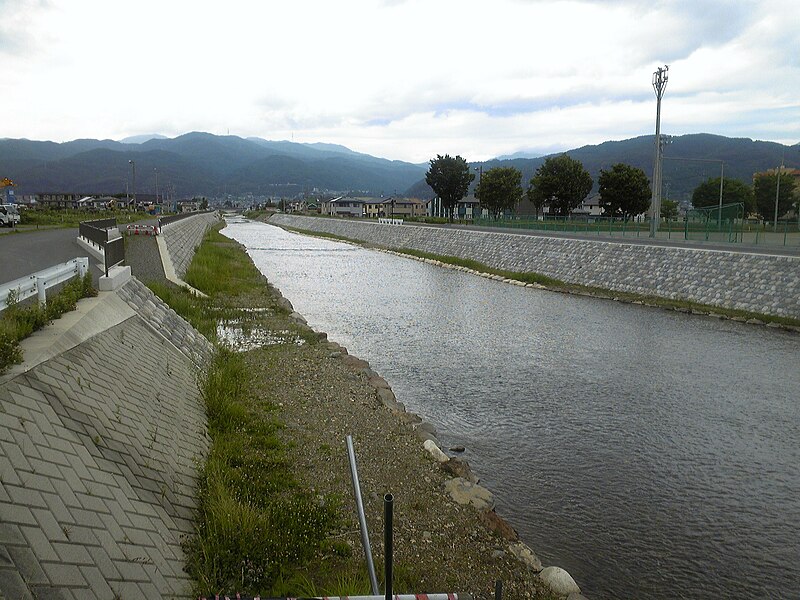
(652, 454)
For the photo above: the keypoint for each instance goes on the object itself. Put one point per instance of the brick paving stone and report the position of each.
(50, 527)
(9, 422)
(37, 481)
(92, 503)
(80, 535)
(46, 592)
(12, 586)
(61, 574)
(28, 565)
(97, 582)
(72, 553)
(112, 526)
(38, 542)
(45, 468)
(65, 492)
(131, 571)
(13, 513)
(18, 460)
(54, 455)
(5, 558)
(126, 590)
(103, 562)
(73, 481)
(58, 509)
(11, 534)
(86, 517)
(7, 472)
(25, 496)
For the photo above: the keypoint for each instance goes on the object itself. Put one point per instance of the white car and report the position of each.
(9, 215)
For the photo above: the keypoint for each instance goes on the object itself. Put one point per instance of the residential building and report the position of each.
(343, 207)
(468, 208)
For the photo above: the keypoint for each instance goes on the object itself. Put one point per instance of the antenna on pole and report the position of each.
(660, 78)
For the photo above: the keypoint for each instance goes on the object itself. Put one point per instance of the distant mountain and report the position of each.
(199, 164)
(689, 160)
(140, 139)
(520, 154)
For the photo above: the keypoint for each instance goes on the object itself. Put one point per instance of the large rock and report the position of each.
(526, 555)
(465, 492)
(458, 467)
(558, 580)
(435, 451)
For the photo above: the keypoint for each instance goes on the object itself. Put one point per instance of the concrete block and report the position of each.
(116, 278)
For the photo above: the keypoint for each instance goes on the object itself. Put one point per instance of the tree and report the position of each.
(204, 204)
(765, 186)
(669, 209)
(624, 191)
(561, 182)
(449, 178)
(500, 189)
(733, 191)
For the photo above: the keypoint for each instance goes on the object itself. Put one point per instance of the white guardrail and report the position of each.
(37, 283)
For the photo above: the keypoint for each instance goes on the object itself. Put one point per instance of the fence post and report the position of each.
(40, 291)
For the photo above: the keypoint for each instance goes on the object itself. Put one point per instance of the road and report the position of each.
(25, 253)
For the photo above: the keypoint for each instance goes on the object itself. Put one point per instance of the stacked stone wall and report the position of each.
(184, 236)
(738, 280)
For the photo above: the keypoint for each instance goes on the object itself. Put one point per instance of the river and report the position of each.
(651, 454)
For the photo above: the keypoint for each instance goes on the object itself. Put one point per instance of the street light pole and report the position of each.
(133, 167)
(156, 171)
(660, 78)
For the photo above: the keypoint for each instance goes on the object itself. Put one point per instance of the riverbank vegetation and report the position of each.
(19, 320)
(276, 514)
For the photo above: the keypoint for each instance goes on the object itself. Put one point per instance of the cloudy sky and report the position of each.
(402, 79)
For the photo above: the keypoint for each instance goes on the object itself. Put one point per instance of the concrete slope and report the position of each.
(101, 431)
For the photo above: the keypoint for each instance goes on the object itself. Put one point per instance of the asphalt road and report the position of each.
(25, 253)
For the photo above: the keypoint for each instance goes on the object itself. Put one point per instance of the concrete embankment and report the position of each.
(101, 433)
(757, 283)
(101, 430)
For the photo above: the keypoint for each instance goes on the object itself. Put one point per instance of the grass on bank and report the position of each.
(18, 322)
(72, 218)
(256, 526)
(572, 288)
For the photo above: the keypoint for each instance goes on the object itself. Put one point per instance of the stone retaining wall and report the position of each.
(753, 282)
(99, 448)
(182, 237)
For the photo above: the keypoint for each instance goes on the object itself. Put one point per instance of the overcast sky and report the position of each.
(400, 79)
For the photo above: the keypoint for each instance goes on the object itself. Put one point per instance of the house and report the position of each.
(590, 207)
(343, 207)
(399, 208)
(58, 200)
(185, 206)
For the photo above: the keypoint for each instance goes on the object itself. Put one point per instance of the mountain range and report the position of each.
(210, 165)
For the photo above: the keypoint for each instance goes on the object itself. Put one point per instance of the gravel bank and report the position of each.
(323, 394)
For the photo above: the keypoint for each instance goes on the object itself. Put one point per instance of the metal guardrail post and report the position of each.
(362, 521)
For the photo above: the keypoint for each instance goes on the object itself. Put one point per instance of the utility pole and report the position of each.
(660, 78)
(133, 168)
(778, 193)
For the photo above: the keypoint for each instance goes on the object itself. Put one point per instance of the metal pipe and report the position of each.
(362, 520)
(388, 505)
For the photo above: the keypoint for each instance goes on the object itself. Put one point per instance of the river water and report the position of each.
(651, 454)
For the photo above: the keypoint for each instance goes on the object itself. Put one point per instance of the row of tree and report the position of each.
(758, 198)
(562, 183)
